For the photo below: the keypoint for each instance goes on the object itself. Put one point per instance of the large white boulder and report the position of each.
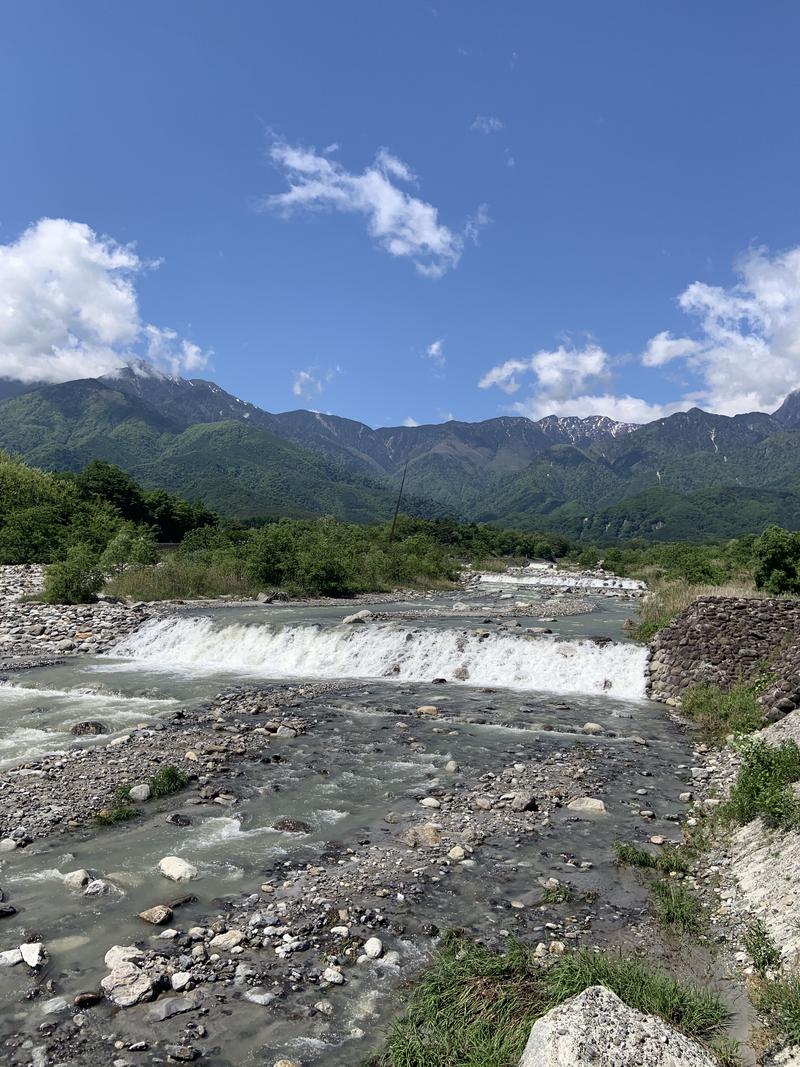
(177, 869)
(596, 1029)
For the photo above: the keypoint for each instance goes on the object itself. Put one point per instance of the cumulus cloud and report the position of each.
(740, 353)
(409, 421)
(69, 308)
(487, 124)
(402, 225)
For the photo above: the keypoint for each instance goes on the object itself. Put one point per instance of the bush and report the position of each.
(74, 580)
(776, 555)
(762, 786)
(130, 546)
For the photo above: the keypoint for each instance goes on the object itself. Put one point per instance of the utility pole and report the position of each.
(397, 505)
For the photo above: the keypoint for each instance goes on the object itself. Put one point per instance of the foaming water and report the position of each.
(554, 580)
(388, 651)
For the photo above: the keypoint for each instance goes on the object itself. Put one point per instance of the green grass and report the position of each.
(761, 947)
(778, 1002)
(674, 905)
(669, 858)
(762, 786)
(167, 781)
(473, 1007)
(559, 894)
(718, 713)
(727, 1051)
(121, 811)
(177, 578)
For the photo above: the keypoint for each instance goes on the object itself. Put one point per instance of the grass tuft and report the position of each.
(762, 786)
(167, 781)
(717, 713)
(558, 894)
(674, 905)
(670, 858)
(778, 1001)
(761, 947)
(474, 1008)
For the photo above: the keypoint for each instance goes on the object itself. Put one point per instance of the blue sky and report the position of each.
(407, 210)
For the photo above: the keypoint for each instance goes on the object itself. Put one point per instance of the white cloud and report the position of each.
(487, 124)
(403, 225)
(435, 353)
(408, 421)
(742, 354)
(69, 308)
(558, 375)
(310, 382)
(664, 347)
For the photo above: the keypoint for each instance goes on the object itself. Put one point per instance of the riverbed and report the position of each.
(441, 717)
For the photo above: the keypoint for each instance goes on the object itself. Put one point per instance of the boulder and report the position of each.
(596, 1029)
(127, 984)
(169, 1006)
(524, 800)
(177, 869)
(32, 953)
(292, 826)
(587, 806)
(119, 954)
(139, 792)
(77, 879)
(373, 947)
(358, 617)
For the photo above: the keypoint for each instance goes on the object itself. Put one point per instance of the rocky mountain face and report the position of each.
(692, 474)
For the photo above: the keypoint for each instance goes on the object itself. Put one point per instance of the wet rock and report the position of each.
(587, 806)
(7, 844)
(176, 819)
(182, 1053)
(97, 887)
(90, 728)
(119, 954)
(177, 869)
(456, 853)
(597, 1027)
(10, 958)
(292, 826)
(54, 1006)
(87, 999)
(157, 915)
(169, 1006)
(373, 947)
(32, 953)
(180, 980)
(428, 709)
(77, 879)
(7, 910)
(333, 976)
(259, 995)
(357, 617)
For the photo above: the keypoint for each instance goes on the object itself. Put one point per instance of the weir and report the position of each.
(390, 651)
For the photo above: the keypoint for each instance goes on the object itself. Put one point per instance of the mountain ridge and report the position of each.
(585, 477)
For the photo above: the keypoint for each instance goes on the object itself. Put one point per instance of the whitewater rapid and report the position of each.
(388, 651)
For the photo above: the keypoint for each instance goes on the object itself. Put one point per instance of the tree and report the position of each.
(74, 580)
(105, 481)
(776, 556)
(131, 545)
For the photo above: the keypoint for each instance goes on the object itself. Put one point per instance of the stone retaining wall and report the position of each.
(720, 640)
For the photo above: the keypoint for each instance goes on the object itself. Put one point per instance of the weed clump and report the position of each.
(167, 781)
(763, 951)
(670, 858)
(778, 1001)
(762, 786)
(674, 905)
(718, 713)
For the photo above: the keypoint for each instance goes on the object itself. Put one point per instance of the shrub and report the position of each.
(74, 580)
(762, 786)
(131, 545)
(776, 556)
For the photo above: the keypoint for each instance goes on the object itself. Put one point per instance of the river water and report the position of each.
(512, 695)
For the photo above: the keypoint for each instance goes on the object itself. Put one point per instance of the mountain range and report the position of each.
(692, 475)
